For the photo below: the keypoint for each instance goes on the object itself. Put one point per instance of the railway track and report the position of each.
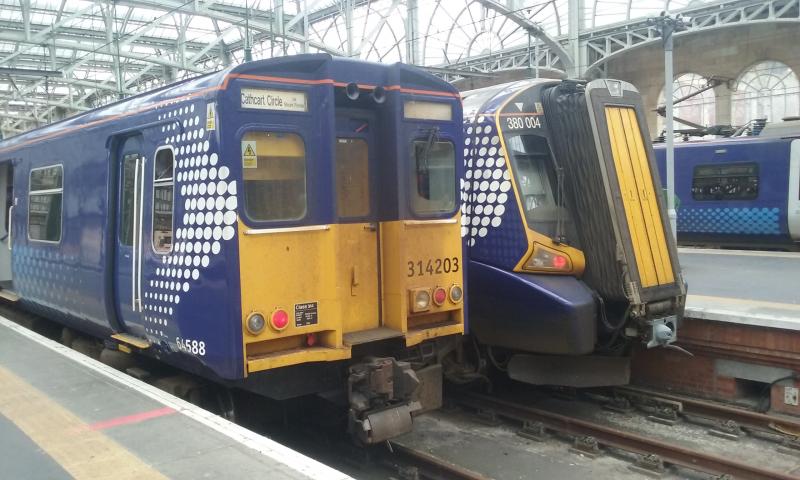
(723, 419)
(417, 464)
(654, 455)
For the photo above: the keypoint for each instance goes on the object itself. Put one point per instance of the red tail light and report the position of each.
(439, 295)
(279, 319)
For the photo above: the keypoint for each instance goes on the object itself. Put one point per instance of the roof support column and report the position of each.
(348, 21)
(412, 33)
(280, 25)
(575, 25)
(25, 6)
(305, 26)
(109, 15)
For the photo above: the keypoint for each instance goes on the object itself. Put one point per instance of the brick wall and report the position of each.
(727, 359)
(673, 371)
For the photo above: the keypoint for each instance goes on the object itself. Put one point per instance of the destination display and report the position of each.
(267, 99)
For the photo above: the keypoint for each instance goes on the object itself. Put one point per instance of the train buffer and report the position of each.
(64, 416)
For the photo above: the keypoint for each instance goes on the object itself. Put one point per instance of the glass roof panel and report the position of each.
(214, 30)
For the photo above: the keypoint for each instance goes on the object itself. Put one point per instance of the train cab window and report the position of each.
(434, 179)
(352, 177)
(274, 166)
(725, 181)
(44, 204)
(535, 175)
(162, 200)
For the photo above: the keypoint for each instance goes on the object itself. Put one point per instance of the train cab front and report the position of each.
(525, 258)
(350, 254)
(570, 260)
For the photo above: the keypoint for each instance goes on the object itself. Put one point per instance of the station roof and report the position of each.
(61, 57)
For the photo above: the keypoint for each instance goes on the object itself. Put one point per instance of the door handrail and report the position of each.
(141, 231)
(10, 217)
(134, 249)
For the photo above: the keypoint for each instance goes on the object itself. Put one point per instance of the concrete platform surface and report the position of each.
(745, 287)
(65, 416)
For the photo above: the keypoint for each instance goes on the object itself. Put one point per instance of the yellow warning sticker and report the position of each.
(211, 116)
(249, 155)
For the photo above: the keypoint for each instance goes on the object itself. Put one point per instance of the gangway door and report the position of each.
(611, 184)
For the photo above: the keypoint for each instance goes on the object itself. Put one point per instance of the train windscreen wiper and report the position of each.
(561, 237)
(433, 137)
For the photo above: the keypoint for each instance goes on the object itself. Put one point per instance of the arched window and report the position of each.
(765, 90)
(699, 109)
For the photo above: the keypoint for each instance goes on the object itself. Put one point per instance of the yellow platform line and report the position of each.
(84, 453)
(745, 302)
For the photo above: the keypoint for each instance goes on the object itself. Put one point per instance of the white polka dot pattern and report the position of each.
(487, 180)
(208, 199)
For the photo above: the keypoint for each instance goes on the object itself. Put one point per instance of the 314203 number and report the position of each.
(433, 266)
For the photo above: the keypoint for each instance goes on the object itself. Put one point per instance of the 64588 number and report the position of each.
(191, 346)
(433, 266)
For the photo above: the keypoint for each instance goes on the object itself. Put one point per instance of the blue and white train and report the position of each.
(739, 192)
(287, 227)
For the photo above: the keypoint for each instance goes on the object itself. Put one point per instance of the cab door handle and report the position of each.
(371, 227)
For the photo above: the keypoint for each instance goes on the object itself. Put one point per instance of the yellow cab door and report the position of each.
(358, 253)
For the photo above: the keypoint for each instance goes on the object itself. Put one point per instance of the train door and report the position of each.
(648, 237)
(130, 165)
(794, 191)
(359, 253)
(6, 203)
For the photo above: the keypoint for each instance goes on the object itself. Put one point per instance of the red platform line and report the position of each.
(129, 419)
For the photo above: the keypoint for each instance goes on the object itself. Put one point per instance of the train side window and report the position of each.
(44, 203)
(725, 181)
(163, 200)
(126, 218)
(352, 177)
(274, 166)
(434, 170)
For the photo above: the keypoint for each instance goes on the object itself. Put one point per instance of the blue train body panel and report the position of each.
(760, 219)
(540, 313)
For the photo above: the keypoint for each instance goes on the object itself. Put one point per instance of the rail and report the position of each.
(610, 437)
(689, 406)
(429, 466)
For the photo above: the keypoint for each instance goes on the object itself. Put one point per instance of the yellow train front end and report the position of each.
(350, 254)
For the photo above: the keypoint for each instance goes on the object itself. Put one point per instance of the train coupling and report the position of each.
(660, 332)
(380, 394)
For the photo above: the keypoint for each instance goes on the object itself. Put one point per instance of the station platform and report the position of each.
(64, 416)
(755, 288)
